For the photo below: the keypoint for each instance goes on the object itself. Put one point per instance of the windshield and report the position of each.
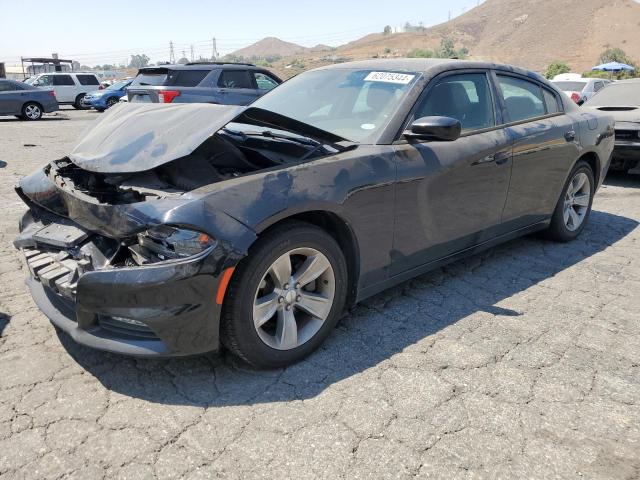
(31, 79)
(570, 86)
(118, 85)
(353, 104)
(617, 95)
(151, 77)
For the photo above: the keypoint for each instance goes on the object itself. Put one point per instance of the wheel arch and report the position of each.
(32, 101)
(593, 160)
(341, 232)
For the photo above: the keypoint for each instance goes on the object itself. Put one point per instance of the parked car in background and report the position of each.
(70, 87)
(579, 89)
(107, 97)
(223, 83)
(344, 181)
(622, 100)
(25, 101)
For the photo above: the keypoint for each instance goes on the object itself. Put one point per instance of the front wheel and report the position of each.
(112, 101)
(574, 206)
(285, 297)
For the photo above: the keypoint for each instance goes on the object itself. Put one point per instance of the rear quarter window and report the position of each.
(551, 100)
(87, 79)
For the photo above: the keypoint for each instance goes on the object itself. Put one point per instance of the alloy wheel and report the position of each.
(576, 201)
(33, 112)
(294, 298)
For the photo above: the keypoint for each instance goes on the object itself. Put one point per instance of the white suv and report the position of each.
(70, 87)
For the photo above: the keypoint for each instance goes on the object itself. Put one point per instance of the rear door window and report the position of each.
(63, 80)
(598, 86)
(235, 79)
(185, 78)
(522, 98)
(87, 79)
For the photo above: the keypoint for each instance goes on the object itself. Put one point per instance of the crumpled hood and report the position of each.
(141, 136)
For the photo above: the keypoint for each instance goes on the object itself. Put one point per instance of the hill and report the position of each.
(529, 33)
(270, 47)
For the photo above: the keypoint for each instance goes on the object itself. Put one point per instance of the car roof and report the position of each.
(201, 66)
(426, 65)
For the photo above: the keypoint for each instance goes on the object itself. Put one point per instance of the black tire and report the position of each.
(77, 104)
(31, 111)
(100, 110)
(111, 101)
(558, 230)
(238, 333)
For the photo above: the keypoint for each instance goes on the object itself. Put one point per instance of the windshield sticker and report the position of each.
(389, 77)
(367, 126)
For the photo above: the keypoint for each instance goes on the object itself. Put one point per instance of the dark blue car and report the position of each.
(25, 101)
(103, 99)
(221, 83)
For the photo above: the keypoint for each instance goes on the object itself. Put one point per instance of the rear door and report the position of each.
(450, 195)
(10, 100)
(545, 146)
(237, 87)
(65, 88)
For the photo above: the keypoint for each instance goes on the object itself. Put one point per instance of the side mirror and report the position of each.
(36, 83)
(445, 129)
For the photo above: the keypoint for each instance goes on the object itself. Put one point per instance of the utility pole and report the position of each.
(172, 55)
(214, 52)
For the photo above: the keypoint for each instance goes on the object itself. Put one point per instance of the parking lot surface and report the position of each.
(521, 362)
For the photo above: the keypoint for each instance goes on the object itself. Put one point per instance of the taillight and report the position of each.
(575, 97)
(167, 96)
(101, 87)
(53, 94)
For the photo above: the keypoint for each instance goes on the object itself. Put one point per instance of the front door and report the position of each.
(450, 195)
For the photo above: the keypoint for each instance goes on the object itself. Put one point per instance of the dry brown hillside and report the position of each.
(269, 47)
(529, 33)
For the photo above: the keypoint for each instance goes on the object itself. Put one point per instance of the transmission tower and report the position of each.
(214, 52)
(172, 55)
(192, 59)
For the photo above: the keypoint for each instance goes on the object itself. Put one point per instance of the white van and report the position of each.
(70, 87)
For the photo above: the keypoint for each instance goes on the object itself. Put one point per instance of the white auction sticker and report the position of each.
(389, 77)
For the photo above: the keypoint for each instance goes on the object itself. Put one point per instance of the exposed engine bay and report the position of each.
(227, 154)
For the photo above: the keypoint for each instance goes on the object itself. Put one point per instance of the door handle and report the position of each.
(497, 158)
(570, 136)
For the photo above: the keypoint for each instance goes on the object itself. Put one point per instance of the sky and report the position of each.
(109, 32)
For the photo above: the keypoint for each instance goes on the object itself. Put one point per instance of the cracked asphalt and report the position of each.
(521, 362)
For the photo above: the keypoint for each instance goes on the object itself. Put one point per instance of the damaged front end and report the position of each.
(124, 252)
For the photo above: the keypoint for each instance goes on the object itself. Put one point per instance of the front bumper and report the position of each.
(626, 155)
(159, 310)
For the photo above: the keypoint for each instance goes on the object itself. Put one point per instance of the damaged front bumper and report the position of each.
(83, 277)
(165, 309)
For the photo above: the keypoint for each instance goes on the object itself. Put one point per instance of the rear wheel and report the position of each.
(31, 111)
(111, 101)
(574, 206)
(77, 104)
(285, 297)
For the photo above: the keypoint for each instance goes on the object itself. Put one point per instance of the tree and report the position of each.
(183, 60)
(556, 68)
(387, 30)
(614, 55)
(447, 48)
(139, 61)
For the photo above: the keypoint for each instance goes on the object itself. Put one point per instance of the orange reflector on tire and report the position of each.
(224, 282)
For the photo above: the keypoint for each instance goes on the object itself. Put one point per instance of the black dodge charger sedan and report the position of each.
(172, 229)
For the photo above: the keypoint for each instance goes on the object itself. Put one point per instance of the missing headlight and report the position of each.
(163, 243)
